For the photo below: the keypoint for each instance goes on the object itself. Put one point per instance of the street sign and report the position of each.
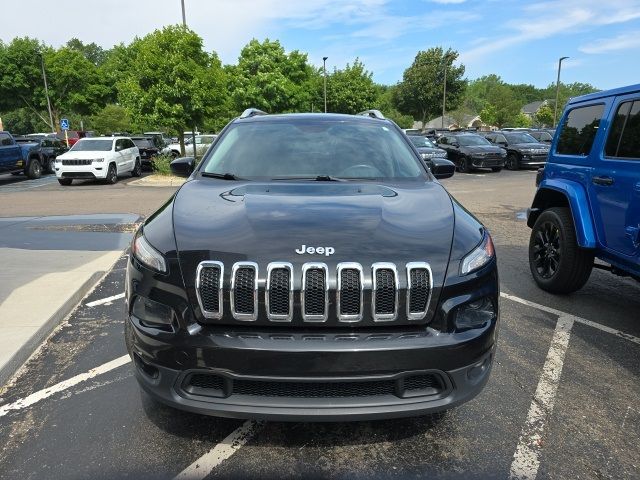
(64, 124)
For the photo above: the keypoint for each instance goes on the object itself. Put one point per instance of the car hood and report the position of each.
(268, 222)
(482, 149)
(84, 155)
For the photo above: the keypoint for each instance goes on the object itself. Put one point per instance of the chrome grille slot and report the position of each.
(315, 292)
(385, 292)
(419, 285)
(244, 291)
(350, 292)
(279, 292)
(77, 162)
(209, 283)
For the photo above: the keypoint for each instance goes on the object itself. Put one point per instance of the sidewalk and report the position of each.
(48, 265)
(159, 181)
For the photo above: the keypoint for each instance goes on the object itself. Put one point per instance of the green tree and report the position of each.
(269, 79)
(419, 94)
(384, 103)
(112, 118)
(495, 100)
(173, 82)
(522, 120)
(351, 90)
(567, 91)
(544, 116)
(91, 51)
(22, 121)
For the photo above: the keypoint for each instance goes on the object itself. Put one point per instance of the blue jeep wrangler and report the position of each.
(588, 200)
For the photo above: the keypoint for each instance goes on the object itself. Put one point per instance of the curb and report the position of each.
(22, 355)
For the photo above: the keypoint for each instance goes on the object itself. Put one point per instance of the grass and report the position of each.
(161, 164)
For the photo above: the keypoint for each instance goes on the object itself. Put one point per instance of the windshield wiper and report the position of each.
(317, 178)
(223, 176)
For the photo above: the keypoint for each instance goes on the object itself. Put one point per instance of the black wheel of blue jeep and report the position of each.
(34, 170)
(557, 263)
(513, 163)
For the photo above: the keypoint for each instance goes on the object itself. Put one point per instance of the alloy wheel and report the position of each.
(547, 250)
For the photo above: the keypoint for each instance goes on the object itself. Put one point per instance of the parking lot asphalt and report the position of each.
(562, 400)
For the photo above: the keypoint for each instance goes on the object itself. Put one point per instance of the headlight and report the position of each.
(58, 160)
(425, 156)
(98, 160)
(474, 314)
(147, 255)
(479, 257)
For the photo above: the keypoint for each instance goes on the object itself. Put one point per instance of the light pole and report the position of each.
(555, 112)
(444, 91)
(46, 91)
(184, 16)
(324, 68)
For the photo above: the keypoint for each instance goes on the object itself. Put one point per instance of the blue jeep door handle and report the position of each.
(604, 181)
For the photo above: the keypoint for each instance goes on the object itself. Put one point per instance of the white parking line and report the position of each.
(526, 459)
(203, 466)
(105, 300)
(64, 385)
(575, 318)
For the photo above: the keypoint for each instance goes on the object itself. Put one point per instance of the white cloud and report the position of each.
(623, 41)
(556, 17)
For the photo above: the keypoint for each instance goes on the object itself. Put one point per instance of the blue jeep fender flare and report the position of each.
(579, 206)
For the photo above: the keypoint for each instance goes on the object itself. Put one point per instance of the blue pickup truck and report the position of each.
(16, 158)
(588, 200)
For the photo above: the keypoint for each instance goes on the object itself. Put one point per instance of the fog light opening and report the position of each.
(147, 369)
(152, 314)
(475, 314)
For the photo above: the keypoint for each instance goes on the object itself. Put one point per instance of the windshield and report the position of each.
(520, 138)
(470, 140)
(311, 148)
(143, 142)
(421, 142)
(93, 145)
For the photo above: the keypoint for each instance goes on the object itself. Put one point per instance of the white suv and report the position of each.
(99, 158)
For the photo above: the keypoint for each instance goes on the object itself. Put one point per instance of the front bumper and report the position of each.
(94, 171)
(268, 375)
(533, 160)
(482, 162)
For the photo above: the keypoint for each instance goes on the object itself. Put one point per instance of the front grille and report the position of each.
(244, 291)
(385, 296)
(279, 295)
(216, 385)
(315, 292)
(315, 286)
(209, 288)
(77, 162)
(419, 290)
(314, 389)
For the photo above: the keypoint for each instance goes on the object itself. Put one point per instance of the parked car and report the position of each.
(46, 147)
(74, 135)
(426, 147)
(148, 149)
(541, 136)
(335, 232)
(588, 200)
(522, 149)
(470, 150)
(16, 158)
(203, 142)
(99, 158)
(160, 139)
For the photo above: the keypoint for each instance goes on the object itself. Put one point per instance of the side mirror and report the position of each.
(442, 168)
(183, 167)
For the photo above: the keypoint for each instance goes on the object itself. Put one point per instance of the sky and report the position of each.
(520, 41)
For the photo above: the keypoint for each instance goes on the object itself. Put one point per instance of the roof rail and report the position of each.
(373, 114)
(252, 112)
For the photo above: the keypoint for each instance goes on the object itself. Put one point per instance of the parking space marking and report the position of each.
(526, 459)
(64, 385)
(204, 465)
(575, 318)
(104, 301)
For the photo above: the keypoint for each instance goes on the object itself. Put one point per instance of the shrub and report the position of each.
(162, 164)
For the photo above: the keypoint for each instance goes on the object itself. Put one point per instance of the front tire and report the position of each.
(464, 165)
(137, 169)
(65, 181)
(557, 263)
(513, 163)
(34, 170)
(52, 165)
(112, 175)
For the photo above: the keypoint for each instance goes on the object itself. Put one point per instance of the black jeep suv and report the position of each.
(312, 268)
(470, 150)
(522, 149)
